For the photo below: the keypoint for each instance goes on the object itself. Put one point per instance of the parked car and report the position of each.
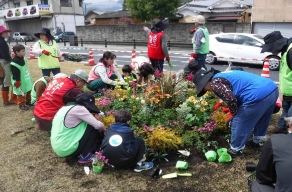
(241, 47)
(21, 36)
(63, 36)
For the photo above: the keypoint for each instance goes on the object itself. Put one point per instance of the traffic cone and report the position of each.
(31, 55)
(133, 64)
(133, 54)
(12, 52)
(91, 57)
(266, 70)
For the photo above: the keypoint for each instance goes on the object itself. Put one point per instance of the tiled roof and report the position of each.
(225, 10)
(116, 14)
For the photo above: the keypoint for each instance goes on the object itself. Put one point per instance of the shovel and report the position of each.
(174, 175)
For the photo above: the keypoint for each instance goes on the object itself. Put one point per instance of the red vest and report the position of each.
(155, 51)
(52, 98)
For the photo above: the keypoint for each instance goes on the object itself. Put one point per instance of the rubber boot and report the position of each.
(5, 97)
(13, 98)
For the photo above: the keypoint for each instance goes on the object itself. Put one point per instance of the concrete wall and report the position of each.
(177, 33)
(272, 11)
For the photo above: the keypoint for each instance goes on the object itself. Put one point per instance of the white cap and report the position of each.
(60, 75)
(81, 74)
(199, 19)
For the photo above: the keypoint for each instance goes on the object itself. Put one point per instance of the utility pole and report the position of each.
(85, 11)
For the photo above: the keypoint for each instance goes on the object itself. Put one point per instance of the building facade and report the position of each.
(269, 15)
(31, 15)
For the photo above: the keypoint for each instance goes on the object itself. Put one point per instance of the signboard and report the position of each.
(27, 11)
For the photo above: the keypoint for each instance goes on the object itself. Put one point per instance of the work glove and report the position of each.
(17, 84)
(46, 52)
(101, 114)
(225, 109)
(167, 59)
(192, 31)
(194, 55)
(218, 104)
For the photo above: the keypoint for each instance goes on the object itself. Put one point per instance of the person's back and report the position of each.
(121, 147)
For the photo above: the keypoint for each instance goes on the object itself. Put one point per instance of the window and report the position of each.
(226, 38)
(80, 3)
(29, 3)
(16, 5)
(247, 41)
(44, 2)
(66, 3)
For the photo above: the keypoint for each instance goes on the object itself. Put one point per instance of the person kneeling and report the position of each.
(121, 147)
(75, 130)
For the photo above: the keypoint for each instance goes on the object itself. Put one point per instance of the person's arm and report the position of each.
(4, 50)
(289, 59)
(39, 89)
(79, 113)
(198, 36)
(71, 95)
(265, 171)
(223, 89)
(101, 71)
(58, 50)
(146, 29)
(164, 45)
(37, 48)
(15, 73)
(117, 73)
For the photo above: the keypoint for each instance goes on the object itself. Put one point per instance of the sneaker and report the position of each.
(87, 159)
(24, 107)
(251, 143)
(234, 153)
(144, 166)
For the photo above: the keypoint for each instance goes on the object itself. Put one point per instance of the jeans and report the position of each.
(286, 112)
(254, 118)
(201, 60)
(97, 84)
(157, 64)
(47, 72)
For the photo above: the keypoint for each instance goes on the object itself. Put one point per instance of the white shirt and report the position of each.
(102, 71)
(36, 49)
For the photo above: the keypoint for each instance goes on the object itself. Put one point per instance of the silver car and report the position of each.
(21, 36)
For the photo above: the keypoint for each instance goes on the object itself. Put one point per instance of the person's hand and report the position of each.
(167, 59)
(194, 55)
(17, 84)
(225, 109)
(143, 27)
(101, 114)
(192, 31)
(46, 52)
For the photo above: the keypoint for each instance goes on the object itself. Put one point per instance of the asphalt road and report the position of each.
(179, 61)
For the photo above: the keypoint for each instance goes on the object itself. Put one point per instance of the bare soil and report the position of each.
(29, 164)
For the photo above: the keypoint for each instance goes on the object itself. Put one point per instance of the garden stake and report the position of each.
(19, 131)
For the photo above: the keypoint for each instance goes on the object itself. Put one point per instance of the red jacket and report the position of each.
(52, 98)
(155, 51)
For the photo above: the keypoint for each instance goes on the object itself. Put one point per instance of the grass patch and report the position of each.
(29, 164)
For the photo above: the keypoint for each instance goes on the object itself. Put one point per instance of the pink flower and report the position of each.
(173, 76)
(190, 77)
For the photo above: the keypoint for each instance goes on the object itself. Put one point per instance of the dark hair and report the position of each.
(18, 47)
(146, 69)
(122, 116)
(107, 55)
(127, 69)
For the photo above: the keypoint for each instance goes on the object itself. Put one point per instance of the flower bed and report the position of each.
(166, 114)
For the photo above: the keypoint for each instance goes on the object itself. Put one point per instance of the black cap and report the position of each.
(87, 101)
(44, 31)
(274, 42)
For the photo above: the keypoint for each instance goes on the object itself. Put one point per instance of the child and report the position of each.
(20, 78)
(121, 147)
(127, 72)
(40, 85)
(143, 68)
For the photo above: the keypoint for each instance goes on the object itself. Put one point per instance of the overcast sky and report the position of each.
(104, 5)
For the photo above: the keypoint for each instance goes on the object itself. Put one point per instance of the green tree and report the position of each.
(147, 10)
(125, 8)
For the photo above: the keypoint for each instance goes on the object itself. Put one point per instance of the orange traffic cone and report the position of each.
(31, 55)
(91, 57)
(266, 70)
(12, 52)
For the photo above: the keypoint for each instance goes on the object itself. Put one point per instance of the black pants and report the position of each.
(87, 143)
(157, 64)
